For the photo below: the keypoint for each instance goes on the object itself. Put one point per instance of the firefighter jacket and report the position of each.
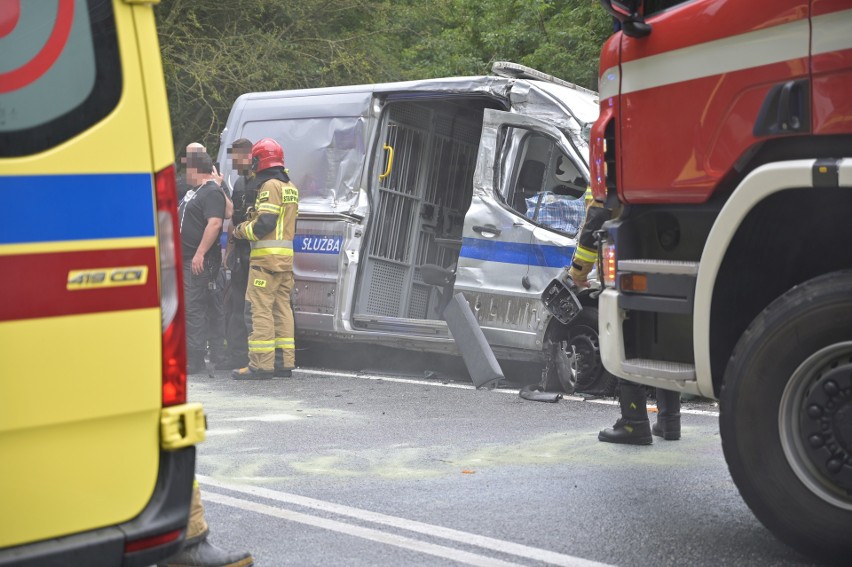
(586, 252)
(270, 228)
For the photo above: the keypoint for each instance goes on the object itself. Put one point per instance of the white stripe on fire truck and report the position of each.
(832, 32)
(777, 44)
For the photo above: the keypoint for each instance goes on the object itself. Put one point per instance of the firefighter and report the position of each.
(270, 229)
(197, 551)
(633, 427)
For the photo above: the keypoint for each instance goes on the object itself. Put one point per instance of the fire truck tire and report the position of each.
(581, 337)
(786, 417)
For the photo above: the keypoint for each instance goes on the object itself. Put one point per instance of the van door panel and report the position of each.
(506, 259)
(320, 259)
(418, 213)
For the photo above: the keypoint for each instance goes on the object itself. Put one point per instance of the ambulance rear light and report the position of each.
(152, 541)
(171, 290)
(608, 262)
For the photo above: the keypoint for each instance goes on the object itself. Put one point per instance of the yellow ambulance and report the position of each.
(96, 436)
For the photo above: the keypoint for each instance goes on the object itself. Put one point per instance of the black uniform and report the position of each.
(236, 331)
(195, 209)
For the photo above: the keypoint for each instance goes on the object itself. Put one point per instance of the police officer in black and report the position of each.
(237, 257)
(201, 214)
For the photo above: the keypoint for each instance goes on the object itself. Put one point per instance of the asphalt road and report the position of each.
(364, 468)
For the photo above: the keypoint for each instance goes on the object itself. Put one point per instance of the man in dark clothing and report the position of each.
(182, 185)
(201, 214)
(237, 257)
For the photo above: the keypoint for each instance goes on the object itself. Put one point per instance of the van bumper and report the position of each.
(167, 511)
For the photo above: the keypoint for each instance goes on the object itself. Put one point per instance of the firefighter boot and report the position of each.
(202, 553)
(633, 427)
(251, 373)
(281, 369)
(668, 415)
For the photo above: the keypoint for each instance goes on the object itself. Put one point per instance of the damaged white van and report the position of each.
(482, 175)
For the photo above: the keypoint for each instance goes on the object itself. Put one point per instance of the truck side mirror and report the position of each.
(627, 13)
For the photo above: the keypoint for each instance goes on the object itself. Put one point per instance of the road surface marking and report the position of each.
(359, 531)
(507, 547)
(386, 378)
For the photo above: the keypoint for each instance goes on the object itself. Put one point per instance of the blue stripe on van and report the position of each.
(517, 253)
(46, 208)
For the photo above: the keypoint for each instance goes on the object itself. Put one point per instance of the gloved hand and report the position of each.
(574, 282)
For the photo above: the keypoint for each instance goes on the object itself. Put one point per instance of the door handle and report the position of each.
(785, 110)
(488, 231)
(387, 172)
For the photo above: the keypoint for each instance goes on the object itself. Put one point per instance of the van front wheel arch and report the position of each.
(577, 365)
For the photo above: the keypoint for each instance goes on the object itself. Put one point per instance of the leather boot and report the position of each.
(633, 427)
(202, 553)
(668, 415)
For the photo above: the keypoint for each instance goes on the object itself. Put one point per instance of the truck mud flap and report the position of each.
(478, 357)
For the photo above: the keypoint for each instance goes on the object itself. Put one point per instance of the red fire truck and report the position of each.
(724, 145)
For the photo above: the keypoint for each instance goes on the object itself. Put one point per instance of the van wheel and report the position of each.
(587, 375)
(786, 417)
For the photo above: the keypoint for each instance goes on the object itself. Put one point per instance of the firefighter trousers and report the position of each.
(272, 324)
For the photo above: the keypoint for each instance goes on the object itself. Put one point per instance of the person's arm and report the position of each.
(211, 235)
(268, 209)
(229, 204)
(229, 247)
(586, 252)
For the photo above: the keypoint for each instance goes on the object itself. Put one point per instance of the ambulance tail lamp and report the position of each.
(171, 290)
(608, 262)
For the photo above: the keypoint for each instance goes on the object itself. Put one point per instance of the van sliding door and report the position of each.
(419, 200)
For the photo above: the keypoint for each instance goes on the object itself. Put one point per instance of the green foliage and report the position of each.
(559, 37)
(213, 51)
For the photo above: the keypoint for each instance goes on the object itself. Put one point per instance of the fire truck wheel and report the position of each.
(580, 338)
(786, 417)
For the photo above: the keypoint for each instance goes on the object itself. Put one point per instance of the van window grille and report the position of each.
(419, 302)
(385, 288)
(398, 194)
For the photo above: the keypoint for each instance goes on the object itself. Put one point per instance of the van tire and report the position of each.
(582, 335)
(782, 419)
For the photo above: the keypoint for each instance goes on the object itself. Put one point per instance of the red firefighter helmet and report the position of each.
(266, 153)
